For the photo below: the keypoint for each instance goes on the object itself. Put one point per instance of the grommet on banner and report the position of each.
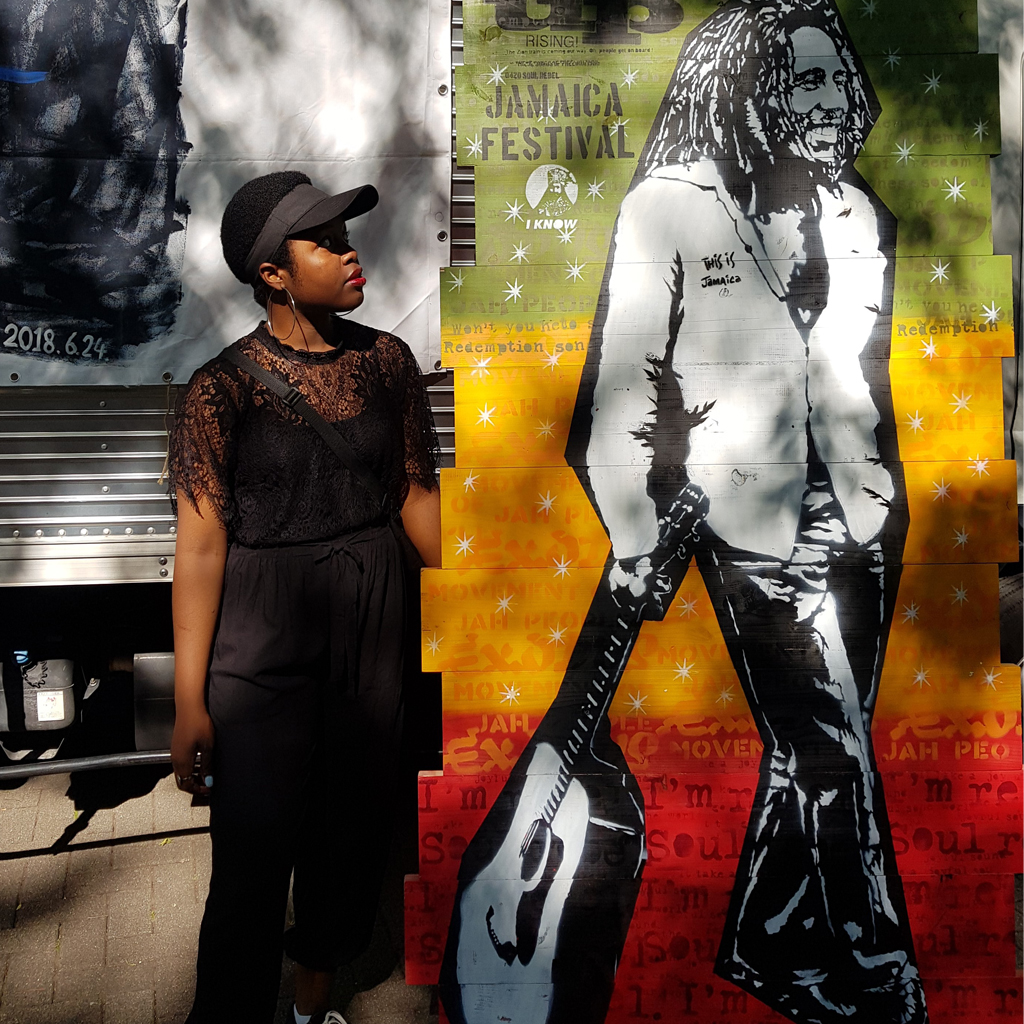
(442, 235)
(442, 90)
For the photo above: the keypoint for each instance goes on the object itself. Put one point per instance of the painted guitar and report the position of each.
(558, 857)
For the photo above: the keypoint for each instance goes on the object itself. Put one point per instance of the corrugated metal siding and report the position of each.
(463, 187)
(81, 494)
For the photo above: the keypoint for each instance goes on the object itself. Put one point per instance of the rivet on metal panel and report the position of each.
(163, 561)
(163, 572)
(103, 447)
(150, 530)
(17, 533)
(39, 533)
(174, 529)
(62, 533)
(84, 532)
(128, 531)
(106, 533)
(105, 489)
(103, 405)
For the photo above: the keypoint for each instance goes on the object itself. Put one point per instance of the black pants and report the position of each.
(817, 926)
(305, 696)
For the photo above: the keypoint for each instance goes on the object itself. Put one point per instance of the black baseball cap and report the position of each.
(301, 209)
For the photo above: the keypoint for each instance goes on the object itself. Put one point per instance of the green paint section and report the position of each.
(943, 203)
(935, 104)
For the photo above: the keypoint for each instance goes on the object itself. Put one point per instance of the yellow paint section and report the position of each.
(961, 512)
(948, 408)
(537, 518)
(511, 620)
(514, 417)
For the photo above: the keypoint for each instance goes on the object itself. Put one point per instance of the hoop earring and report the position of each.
(295, 317)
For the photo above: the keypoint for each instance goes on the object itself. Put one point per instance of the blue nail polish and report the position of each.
(208, 780)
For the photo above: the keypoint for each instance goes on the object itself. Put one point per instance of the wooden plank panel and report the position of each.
(960, 512)
(567, 113)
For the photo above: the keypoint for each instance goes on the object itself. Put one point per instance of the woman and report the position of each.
(289, 600)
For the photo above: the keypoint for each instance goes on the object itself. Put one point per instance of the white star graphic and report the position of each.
(959, 594)
(932, 82)
(513, 211)
(991, 675)
(619, 122)
(893, 58)
(519, 253)
(547, 429)
(911, 612)
(511, 694)
(980, 129)
(497, 75)
(921, 678)
(687, 607)
(555, 635)
(548, 113)
(960, 537)
(939, 271)
(594, 190)
(868, 8)
(636, 703)
(629, 77)
(551, 359)
(928, 350)
(465, 545)
(903, 151)
(565, 235)
(485, 414)
(725, 696)
(504, 604)
(470, 482)
(474, 147)
(547, 502)
(480, 367)
(955, 189)
(562, 566)
(575, 270)
(991, 312)
(915, 422)
(514, 290)
(979, 466)
(456, 281)
(684, 671)
(434, 643)
(960, 402)
(941, 490)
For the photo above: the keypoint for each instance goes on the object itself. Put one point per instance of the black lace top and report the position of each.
(268, 474)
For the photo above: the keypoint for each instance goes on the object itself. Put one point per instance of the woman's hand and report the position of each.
(192, 739)
(200, 555)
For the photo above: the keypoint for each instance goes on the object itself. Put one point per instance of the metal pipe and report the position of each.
(86, 764)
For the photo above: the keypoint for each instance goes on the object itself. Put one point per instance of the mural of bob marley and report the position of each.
(739, 361)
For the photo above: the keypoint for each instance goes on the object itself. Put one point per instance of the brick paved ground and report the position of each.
(95, 929)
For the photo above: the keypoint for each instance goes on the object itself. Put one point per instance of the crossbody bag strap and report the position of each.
(294, 399)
